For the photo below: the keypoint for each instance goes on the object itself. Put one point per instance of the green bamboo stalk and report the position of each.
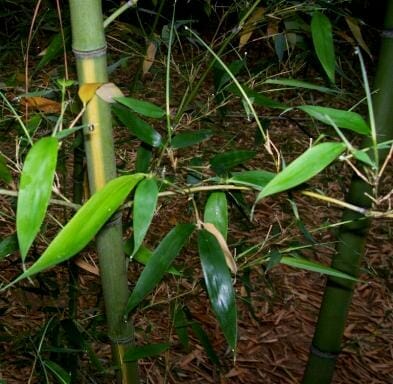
(89, 47)
(337, 298)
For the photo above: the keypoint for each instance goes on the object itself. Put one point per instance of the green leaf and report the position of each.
(223, 162)
(8, 245)
(145, 202)
(144, 254)
(306, 166)
(256, 178)
(138, 127)
(159, 263)
(181, 324)
(54, 49)
(144, 108)
(5, 173)
(216, 212)
(314, 267)
(219, 285)
(300, 84)
(146, 351)
(85, 224)
(342, 119)
(363, 157)
(186, 139)
(322, 36)
(257, 98)
(58, 372)
(144, 155)
(35, 190)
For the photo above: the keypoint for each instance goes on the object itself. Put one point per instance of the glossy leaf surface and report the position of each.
(84, 225)
(142, 107)
(159, 263)
(219, 285)
(306, 166)
(322, 37)
(35, 190)
(342, 119)
(145, 202)
(138, 127)
(216, 212)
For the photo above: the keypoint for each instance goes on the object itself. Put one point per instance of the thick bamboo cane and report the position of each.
(352, 237)
(89, 47)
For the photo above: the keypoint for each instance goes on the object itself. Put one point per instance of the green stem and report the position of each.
(89, 47)
(119, 11)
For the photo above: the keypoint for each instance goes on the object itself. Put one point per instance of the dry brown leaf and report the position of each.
(86, 266)
(87, 91)
(250, 26)
(353, 25)
(149, 58)
(108, 91)
(223, 244)
(42, 104)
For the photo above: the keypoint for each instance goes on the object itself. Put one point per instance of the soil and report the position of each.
(277, 309)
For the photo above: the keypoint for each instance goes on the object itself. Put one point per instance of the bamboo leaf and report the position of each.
(149, 350)
(84, 225)
(148, 61)
(8, 245)
(230, 261)
(144, 254)
(216, 212)
(251, 24)
(58, 372)
(108, 92)
(223, 162)
(306, 166)
(138, 127)
(186, 139)
(145, 203)
(159, 263)
(5, 173)
(219, 285)
(35, 190)
(300, 84)
(343, 119)
(322, 36)
(144, 108)
(314, 267)
(256, 178)
(354, 26)
(87, 91)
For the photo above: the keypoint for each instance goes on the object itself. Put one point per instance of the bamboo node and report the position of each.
(323, 355)
(89, 54)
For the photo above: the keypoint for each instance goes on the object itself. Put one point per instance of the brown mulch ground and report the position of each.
(276, 316)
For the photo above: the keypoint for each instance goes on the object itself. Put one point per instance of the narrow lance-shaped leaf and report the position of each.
(314, 267)
(306, 166)
(84, 225)
(149, 350)
(145, 203)
(35, 190)
(321, 31)
(159, 263)
(219, 285)
(216, 212)
(255, 178)
(342, 119)
(144, 108)
(223, 162)
(138, 127)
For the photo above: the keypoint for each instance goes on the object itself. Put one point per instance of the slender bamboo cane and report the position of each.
(352, 237)
(89, 47)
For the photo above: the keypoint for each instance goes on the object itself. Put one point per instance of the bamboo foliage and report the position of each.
(352, 236)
